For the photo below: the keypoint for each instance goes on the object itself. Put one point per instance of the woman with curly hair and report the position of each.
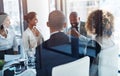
(100, 26)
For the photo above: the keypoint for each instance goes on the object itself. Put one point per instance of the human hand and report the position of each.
(35, 31)
(75, 33)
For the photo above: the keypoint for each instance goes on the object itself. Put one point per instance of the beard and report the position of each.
(74, 24)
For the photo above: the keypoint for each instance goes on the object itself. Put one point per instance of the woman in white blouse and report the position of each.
(31, 36)
(100, 27)
(8, 42)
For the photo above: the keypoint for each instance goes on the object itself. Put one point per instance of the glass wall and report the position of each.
(114, 8)
(12, 8)
(82, 7)
(52, 5)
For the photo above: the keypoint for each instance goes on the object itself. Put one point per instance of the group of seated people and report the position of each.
(98, 28)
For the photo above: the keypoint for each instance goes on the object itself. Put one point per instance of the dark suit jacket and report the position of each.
(81, 29)
(56, 39)
(43, 58)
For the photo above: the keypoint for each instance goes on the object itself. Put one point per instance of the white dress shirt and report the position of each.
(29, 41)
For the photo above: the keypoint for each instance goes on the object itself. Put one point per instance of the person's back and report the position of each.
(57, 39)
(56, 23)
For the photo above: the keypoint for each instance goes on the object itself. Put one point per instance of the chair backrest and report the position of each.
(79, 67)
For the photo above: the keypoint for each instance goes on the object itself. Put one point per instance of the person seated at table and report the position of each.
(8, 42)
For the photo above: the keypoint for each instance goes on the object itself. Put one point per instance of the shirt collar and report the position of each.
(55, 32)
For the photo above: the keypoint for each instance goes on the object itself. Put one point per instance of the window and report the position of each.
(12, 8)
(82, 7)
(52, 5)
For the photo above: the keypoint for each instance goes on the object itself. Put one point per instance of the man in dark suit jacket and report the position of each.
(77, 24)
(56, 23)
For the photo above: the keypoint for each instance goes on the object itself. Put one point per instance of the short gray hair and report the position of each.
(56, 19)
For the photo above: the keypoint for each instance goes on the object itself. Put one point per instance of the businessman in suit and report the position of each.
(77, 24)
(56, 23)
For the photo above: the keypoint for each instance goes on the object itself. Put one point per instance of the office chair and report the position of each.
(79, 67)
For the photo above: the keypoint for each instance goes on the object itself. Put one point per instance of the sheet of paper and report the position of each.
(11, 57)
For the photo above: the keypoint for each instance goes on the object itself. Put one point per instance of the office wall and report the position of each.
(42, 9)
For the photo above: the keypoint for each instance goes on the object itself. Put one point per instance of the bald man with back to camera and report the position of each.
(56, 23)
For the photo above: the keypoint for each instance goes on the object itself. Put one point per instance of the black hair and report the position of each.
(1, 27)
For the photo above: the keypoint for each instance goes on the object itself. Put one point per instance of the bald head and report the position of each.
(56, 20)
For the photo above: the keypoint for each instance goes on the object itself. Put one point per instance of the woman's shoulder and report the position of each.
(26, 32)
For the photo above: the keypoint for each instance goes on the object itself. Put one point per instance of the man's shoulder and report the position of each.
(56, 39)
